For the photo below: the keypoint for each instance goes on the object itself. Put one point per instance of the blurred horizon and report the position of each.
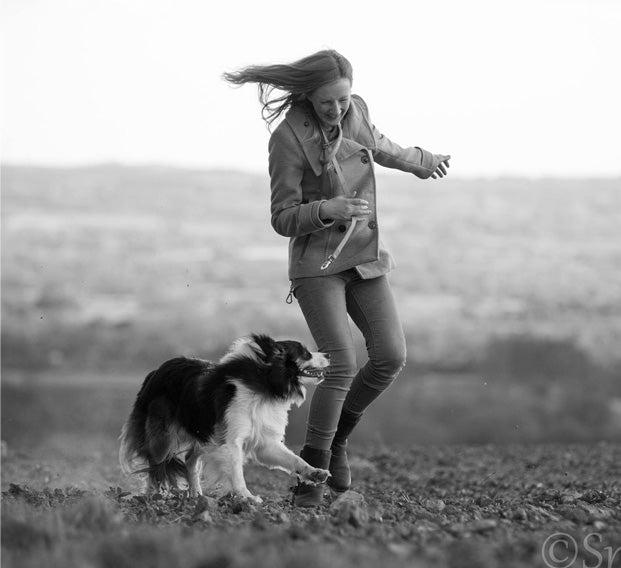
(262, 172)
(509, 291)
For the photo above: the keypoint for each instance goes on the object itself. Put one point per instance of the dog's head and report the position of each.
(308, 367)
(283, 368)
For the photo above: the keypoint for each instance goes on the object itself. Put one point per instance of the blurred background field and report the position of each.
(510, 292)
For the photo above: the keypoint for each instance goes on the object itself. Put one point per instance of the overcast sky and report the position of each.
(527, 87)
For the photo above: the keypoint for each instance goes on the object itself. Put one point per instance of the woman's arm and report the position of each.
(416, 160)
(290, 217)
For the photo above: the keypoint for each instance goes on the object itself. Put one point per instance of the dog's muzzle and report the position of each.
(313, 373)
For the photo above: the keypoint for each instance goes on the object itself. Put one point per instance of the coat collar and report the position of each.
(302, 121)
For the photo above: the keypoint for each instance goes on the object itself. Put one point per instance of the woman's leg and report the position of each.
(324, 305)
(372, 307)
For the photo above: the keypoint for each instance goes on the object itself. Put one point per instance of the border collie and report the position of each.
(194, 418)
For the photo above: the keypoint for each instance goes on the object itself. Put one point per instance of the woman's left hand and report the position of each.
(443, 164)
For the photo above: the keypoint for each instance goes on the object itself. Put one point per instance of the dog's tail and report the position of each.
(172, 472)
(127, 450)
(132, 436)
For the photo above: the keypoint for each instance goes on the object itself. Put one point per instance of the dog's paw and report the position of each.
(315, 476)
(247, 496)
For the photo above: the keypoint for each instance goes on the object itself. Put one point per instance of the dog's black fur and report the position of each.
(188, 405)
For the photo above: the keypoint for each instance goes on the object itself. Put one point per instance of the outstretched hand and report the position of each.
(443, 164)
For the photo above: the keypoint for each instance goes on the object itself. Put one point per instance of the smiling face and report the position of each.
(331, 102)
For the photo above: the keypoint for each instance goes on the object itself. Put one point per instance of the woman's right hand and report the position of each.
(343, 208)
(442, 162)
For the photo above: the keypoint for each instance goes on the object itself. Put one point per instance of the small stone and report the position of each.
(570, 497)
(205, 517)
(350, 508)
(483, 501)
(478, 526)
(435, 505)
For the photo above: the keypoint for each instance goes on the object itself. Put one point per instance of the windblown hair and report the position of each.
(296, 80)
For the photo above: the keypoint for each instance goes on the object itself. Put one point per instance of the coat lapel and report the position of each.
(348, 148)
(302, 123)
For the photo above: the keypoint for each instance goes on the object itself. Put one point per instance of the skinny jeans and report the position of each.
(327, 303)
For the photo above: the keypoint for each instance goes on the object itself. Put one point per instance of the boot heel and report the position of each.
(304, 494)
(340, 473)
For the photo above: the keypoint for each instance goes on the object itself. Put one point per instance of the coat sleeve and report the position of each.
(415, 160)
(289, 215)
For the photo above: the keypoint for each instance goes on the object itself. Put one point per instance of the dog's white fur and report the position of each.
(253, 429)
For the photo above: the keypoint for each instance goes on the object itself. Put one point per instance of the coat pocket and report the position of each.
(302, 247)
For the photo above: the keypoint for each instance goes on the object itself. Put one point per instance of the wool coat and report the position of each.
(303, 175)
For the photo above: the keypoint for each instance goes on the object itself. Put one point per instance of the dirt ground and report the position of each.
(448, 506)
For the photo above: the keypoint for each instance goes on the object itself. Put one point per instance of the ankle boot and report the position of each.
(340, 478)
(304, 494)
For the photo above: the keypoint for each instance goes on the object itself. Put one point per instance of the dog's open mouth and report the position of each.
(314, 373)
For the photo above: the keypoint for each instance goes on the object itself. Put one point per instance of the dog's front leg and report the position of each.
(238, 482)
(275, 454)
(194, 467)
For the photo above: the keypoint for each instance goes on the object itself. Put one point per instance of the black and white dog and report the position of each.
(196, 418)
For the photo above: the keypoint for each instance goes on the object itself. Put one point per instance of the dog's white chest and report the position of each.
(253, 419)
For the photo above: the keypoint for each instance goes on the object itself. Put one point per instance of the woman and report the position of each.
(321, 167)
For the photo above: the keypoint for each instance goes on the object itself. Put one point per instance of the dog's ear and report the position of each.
(268, 347)
(280, 375)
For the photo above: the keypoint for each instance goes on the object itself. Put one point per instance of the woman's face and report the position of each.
(331, 102)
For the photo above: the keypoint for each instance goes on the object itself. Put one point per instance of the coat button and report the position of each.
(372, 225)
(342, 228)
(364, 159)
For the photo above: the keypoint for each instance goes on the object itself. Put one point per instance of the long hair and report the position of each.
(296, 80)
